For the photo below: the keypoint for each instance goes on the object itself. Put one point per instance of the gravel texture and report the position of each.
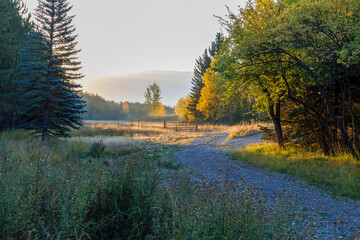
(335, 217)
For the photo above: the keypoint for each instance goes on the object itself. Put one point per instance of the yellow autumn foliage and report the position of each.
(208, 101)
(181, 109)
(158, 111)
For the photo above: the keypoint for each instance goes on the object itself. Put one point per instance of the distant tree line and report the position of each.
(298, 61)
(97, 108)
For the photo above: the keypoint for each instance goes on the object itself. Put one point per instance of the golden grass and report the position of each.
(155, 131)
(245, 129)
(152, 132)
(340, 174)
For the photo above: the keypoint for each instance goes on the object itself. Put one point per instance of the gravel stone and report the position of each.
(208, 157)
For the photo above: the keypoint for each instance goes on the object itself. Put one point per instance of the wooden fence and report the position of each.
(138, 124)
(181, 126)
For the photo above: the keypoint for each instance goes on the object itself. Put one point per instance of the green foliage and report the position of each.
(14, 24)
(97, 108)
(49, 69)
(97, 149)
(202, 64)
(153, 103)
(57, 191)
(299, 62)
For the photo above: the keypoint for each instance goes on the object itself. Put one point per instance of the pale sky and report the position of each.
(133, 36)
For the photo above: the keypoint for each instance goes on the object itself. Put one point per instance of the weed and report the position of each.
(52, 191)
(97, 149)
(340, 174)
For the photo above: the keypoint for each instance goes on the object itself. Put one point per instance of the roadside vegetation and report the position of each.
(74, 189)
(244, 130)
(340, 174)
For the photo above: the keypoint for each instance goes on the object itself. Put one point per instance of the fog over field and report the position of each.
(131, 87)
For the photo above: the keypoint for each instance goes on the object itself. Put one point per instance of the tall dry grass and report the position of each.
(155, 131)
(118, 190)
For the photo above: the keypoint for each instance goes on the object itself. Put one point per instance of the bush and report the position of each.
(97, 149)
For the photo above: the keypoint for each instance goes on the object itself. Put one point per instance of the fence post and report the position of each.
(196, 127)
(176, 126)
(139, 125)
(164, 124)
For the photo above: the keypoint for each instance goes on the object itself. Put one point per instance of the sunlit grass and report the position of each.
(116, 188)
(244, 130)
(340, 174)
(155, 131)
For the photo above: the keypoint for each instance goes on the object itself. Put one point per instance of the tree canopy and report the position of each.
(153, 101)
(297, 61)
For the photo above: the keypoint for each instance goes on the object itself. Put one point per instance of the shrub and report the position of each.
(97, 149)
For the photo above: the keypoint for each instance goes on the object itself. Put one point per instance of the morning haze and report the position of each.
(263, 142)
(122, 37)
(125, 87)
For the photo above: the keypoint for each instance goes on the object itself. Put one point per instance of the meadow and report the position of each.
(117, 183)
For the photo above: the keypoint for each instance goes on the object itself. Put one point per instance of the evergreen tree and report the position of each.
(14, 25)
(202, 64)
(49, 70)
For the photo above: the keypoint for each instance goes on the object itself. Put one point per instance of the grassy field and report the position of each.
(101, 184)
(154, 131)
(339, 174)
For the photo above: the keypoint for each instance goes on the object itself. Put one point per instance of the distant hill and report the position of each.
(131, 87)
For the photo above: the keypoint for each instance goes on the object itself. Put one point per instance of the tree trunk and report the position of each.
(345, 136)
(276, 118)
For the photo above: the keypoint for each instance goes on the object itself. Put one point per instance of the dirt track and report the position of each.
(335, 217)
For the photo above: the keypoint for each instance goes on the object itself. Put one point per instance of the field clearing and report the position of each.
(168, 132)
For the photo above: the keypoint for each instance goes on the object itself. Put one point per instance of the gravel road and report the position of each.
(335, 217)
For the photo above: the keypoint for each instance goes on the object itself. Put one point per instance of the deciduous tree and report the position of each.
(181, 109)
(153, 100)
(202, 64)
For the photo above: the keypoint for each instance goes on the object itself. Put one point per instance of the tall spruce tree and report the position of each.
(202, 64)
(50, 68)
(14, 25)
